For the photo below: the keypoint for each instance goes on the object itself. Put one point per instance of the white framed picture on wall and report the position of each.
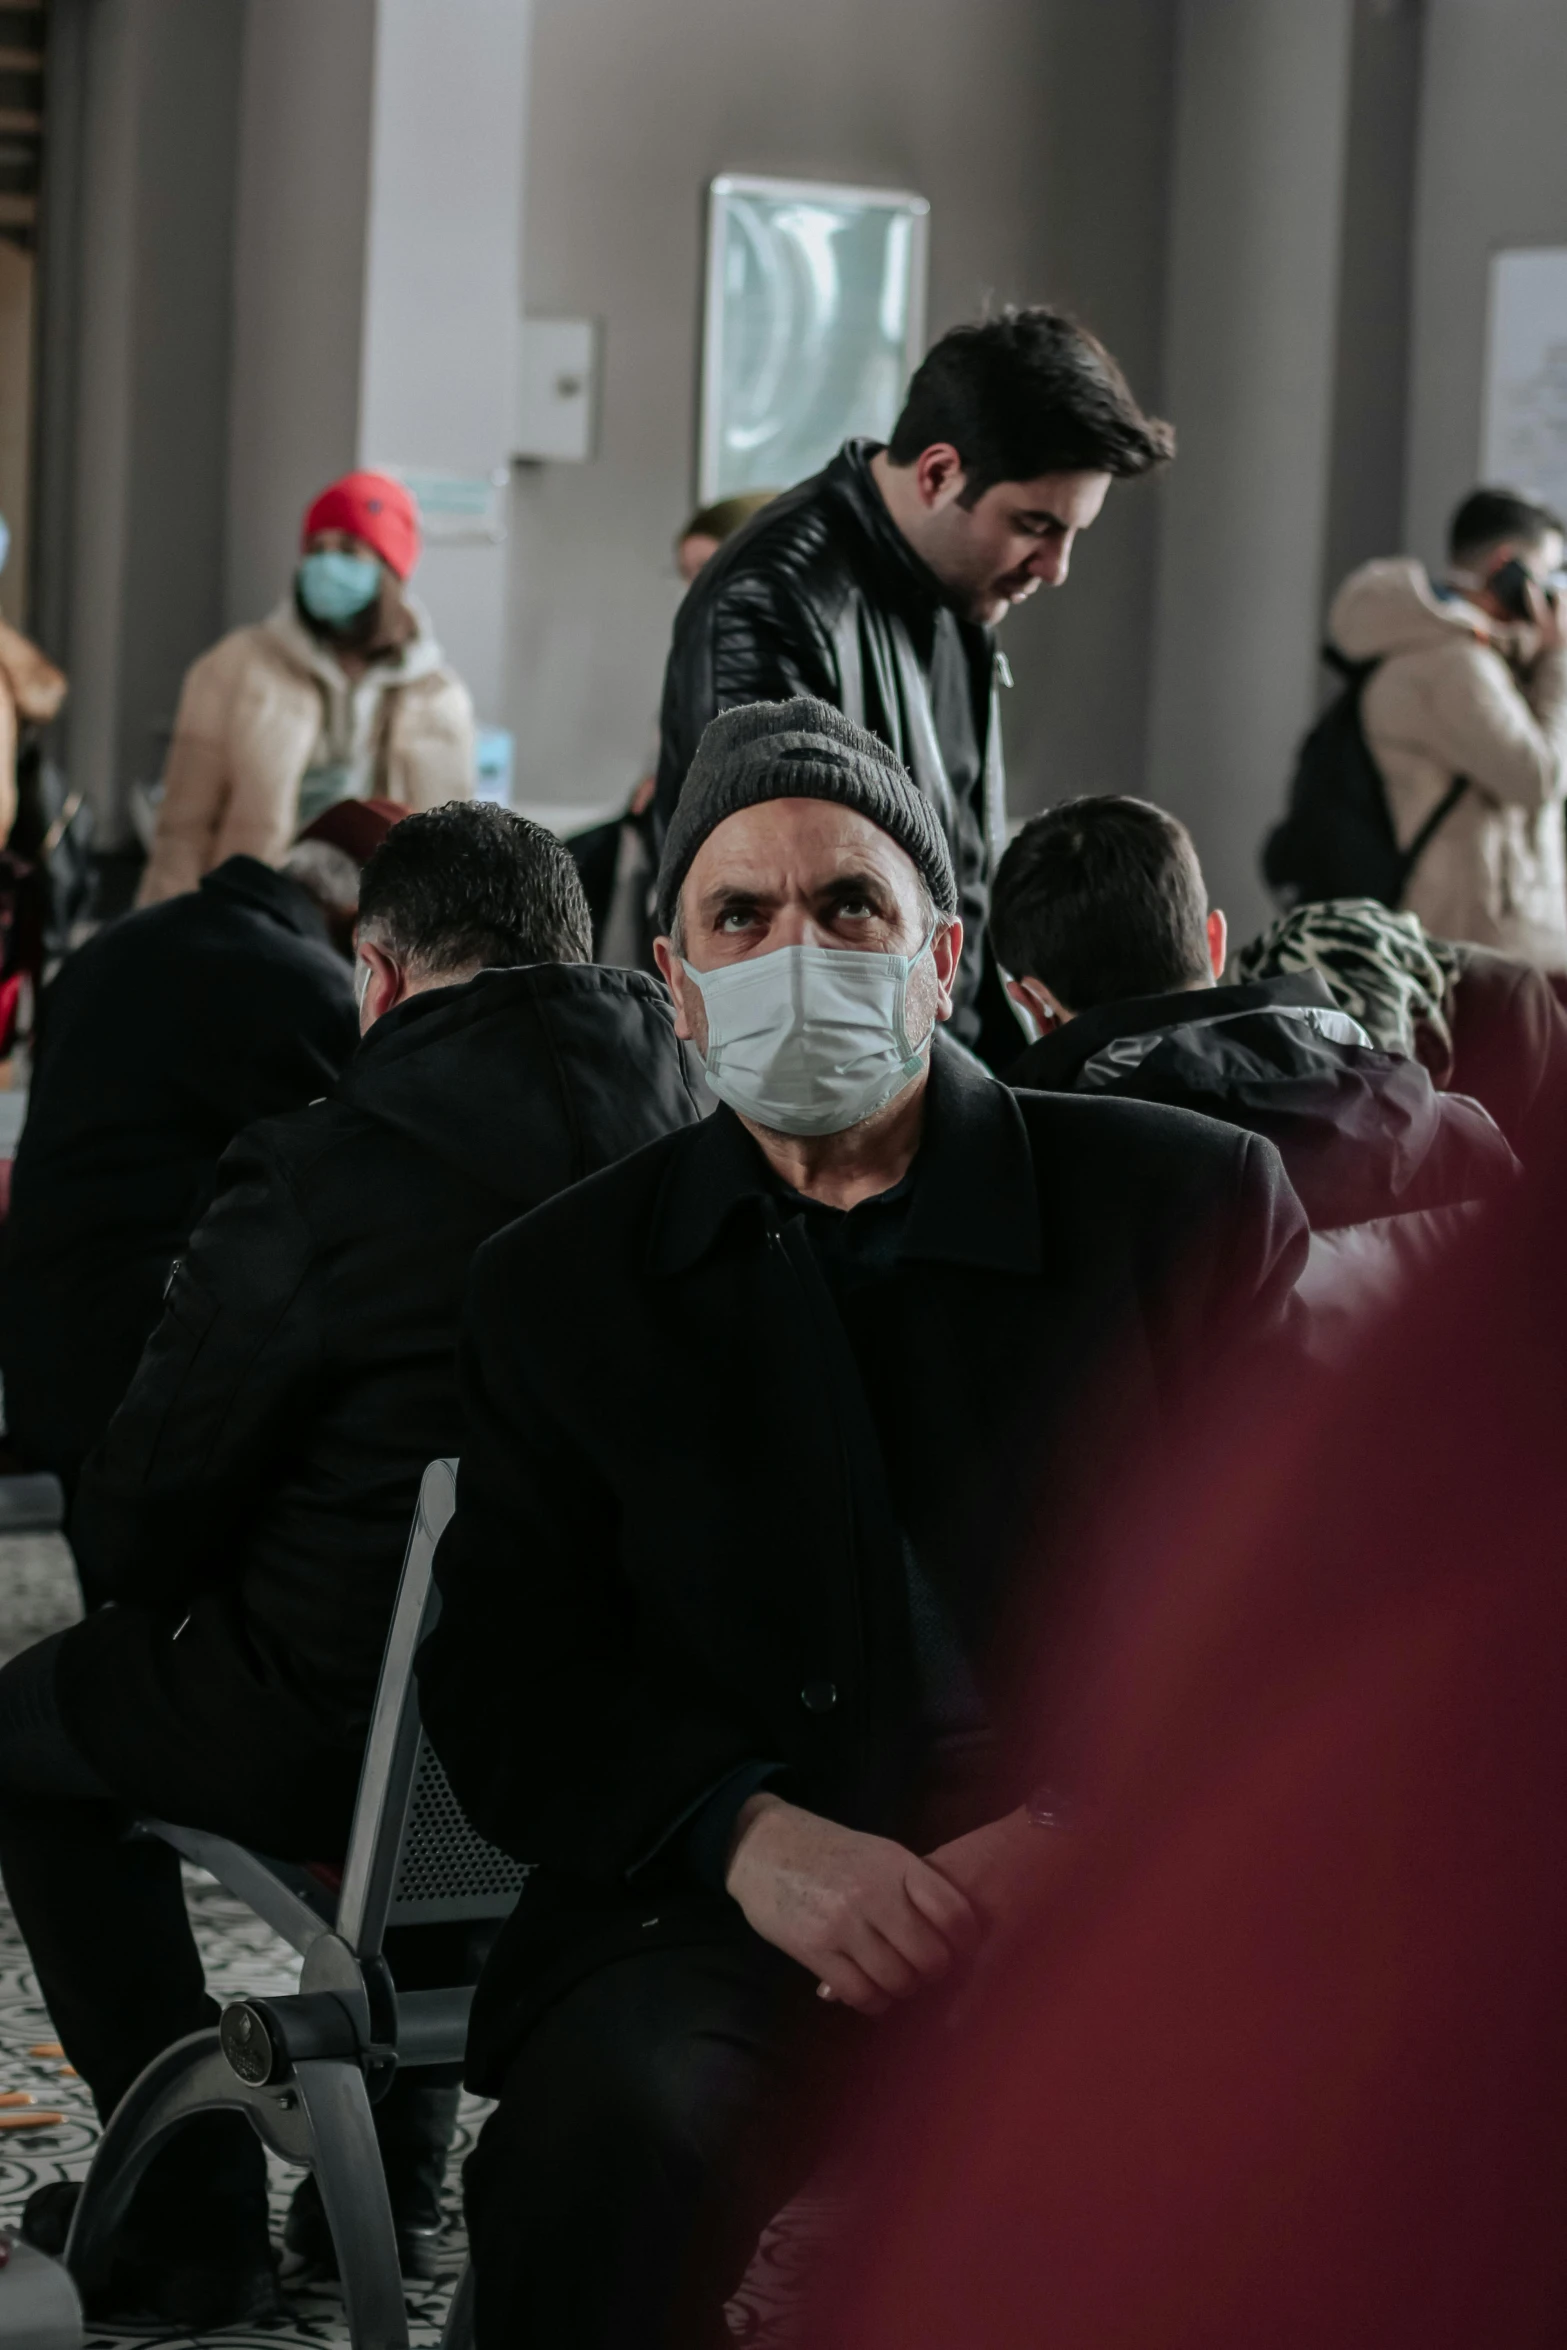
(1523, 444)
(813, 321)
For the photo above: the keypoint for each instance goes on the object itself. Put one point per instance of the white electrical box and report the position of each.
(557, 390)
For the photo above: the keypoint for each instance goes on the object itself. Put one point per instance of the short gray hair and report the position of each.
(327, 875)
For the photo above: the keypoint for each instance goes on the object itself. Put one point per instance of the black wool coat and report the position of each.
(160, 1038)
(249, 1508)
(637, 1601)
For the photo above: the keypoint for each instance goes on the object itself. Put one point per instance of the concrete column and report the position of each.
(1262, 103)
(377, 280)
(139, 501)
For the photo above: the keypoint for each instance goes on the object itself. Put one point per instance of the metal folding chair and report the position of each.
(306, 2069)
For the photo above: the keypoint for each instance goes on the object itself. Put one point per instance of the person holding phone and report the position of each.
(1470, 681)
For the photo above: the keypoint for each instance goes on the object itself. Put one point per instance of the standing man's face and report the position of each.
(1016, 537)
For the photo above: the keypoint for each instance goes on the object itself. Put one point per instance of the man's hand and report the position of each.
(872, 1921)
(999, 1865)
(1545, 610)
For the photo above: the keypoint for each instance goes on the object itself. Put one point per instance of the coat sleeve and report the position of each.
(1509, 739)
(754, 640)
(1263, 1242)
(195, 786)
(164, 1501)
(431, 754)
(572, 1736)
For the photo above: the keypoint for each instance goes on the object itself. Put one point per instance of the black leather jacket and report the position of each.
(821, 594)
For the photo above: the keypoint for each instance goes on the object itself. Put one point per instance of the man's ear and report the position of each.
(939, 476)
(383, 985)
(1218, 943)
(674, 978)
(946, 952)
(1038, 1006)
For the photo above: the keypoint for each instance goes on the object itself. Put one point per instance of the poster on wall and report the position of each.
(813, 322)
(1524, 435)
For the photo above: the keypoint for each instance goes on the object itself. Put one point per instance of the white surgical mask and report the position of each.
(810, 1040)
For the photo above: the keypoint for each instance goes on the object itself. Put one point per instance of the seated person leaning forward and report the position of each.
(156, 1042)
(249, 1507)
(1101, 916)
(706, 1658)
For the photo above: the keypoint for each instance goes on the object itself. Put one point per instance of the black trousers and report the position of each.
(103, 1914)
(648, 2129)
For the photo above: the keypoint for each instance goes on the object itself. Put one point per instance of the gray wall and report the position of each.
(1262, 97)
(1493, 172)
(1037, 128)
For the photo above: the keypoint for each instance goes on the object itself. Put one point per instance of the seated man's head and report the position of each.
(1500, 547)
(459, 890)
(809, 910)
(330, 854)
(1012, 433)
(1097, 901)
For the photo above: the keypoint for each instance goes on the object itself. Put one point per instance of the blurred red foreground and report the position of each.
(1285, 2063)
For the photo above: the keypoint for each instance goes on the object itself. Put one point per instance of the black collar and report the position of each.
(267, 891)
(1051, 1065)
(851, 476)
(975, 1199)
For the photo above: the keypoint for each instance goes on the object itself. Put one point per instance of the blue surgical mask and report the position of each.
(811, 1040)
(335, 587)
(5, 541)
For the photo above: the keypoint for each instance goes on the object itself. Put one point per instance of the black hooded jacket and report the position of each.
(250, 1505)
(1378, 1158)
(821, 594)
(159, 1040)
(1363, 1134)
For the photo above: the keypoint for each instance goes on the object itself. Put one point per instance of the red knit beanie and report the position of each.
(376, 509)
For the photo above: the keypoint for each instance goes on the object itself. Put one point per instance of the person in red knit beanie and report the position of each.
(341, 693)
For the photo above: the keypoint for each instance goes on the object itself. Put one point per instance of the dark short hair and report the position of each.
(1025, 393)
(471, 886)
(1488, 518)
(1101, 899)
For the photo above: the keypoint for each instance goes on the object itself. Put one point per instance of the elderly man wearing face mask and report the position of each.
(340, 693)
(722, 1663)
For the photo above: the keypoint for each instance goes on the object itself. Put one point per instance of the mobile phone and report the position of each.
(1511, 584)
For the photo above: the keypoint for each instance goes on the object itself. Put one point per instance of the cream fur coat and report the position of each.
(251, 714)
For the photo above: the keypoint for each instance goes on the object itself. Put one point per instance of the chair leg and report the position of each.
(193, 2076)
(347, 2162)
(457, 2333)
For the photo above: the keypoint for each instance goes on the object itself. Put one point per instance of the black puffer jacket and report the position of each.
(1382, 1163)
(249, 1507)
(821, 594)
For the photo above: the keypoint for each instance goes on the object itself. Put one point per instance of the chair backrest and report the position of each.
(413, 1860)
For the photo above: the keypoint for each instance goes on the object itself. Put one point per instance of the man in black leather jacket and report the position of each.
(877, 585)
(248, 1510)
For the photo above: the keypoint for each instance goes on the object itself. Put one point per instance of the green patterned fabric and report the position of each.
(1383, 968)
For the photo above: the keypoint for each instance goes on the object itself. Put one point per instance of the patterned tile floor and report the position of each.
(38, 1596)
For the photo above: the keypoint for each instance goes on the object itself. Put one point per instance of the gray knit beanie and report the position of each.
(799, 750)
